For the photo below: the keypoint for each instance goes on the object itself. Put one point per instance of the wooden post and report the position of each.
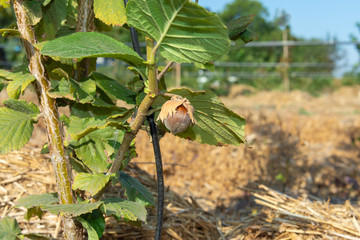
(285, 60)
(177, 75)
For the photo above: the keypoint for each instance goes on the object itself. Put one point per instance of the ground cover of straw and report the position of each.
(297, 178)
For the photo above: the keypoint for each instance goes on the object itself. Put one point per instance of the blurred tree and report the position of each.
(353, 77)
(271, 29)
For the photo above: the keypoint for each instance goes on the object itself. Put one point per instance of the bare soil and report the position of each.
(296, 143)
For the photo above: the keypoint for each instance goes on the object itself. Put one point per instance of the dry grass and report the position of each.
(303, 146)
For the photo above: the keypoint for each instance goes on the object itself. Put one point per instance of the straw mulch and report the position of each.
(277, 215)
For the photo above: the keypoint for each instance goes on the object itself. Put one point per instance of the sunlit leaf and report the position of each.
(183, 30)
(75, 209)
(216, 124)
(22, 106)
(15, 129)
(125, 210)
(5, 3)
(89, 44)
(9, 32)
(111, 12)
(19, 80)
(91, 183)
(96, 148)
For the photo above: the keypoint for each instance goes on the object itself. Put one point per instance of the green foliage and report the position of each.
(75, 209)
(16, 126)
(89, 44)
(97, 148)
(217, 125)
(54, 14)
(19, 80)
(33, 202)
(9, 229)
(125, 210)
(96, 220)
(5, 3)
(111, 12)
(96, 126)
(91, 183)
(37, 200)
(113, 89)
(21, 106)
(135, 191)
(92, 234)
(183, 31)
(237, 28)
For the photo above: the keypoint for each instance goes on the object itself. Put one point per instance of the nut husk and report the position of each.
(177, 114)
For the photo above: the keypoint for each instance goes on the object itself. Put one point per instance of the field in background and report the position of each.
(299, 144)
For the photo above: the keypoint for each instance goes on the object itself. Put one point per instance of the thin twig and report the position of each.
(161, 74)
(174, 164)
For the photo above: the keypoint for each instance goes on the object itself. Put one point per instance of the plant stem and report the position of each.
(164, 70)
(50, 113)
(85, 23)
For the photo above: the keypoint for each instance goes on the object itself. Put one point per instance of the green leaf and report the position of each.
(97, 147)
(208, 66)
(37, 200)
(34, 236)
(22, 106)
(34, 211)
(88, 110)
(91, 232)
(19, 81)
(135, 191)
(183, 30)
(111, 12)
(89, 44)
(83, 92)
(9, 32)
(15, 129)
(33, 11)
(9, 229)
(5, 3)
(125, 210)
(91, 183)
(96, 220)
(79, 127)
(113, 89)
(237, 27)
(216, 124)
(75, 209)
(53, 17)
(248, 36)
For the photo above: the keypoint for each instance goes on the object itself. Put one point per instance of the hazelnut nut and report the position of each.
(177, 114)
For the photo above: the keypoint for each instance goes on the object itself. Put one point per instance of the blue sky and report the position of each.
(313, 19)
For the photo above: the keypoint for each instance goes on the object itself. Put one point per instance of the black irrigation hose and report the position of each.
(156, 147)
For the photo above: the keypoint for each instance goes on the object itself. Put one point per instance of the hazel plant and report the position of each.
(96, 140)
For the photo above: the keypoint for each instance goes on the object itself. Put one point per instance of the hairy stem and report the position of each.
(85, 23)
(50, 113)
